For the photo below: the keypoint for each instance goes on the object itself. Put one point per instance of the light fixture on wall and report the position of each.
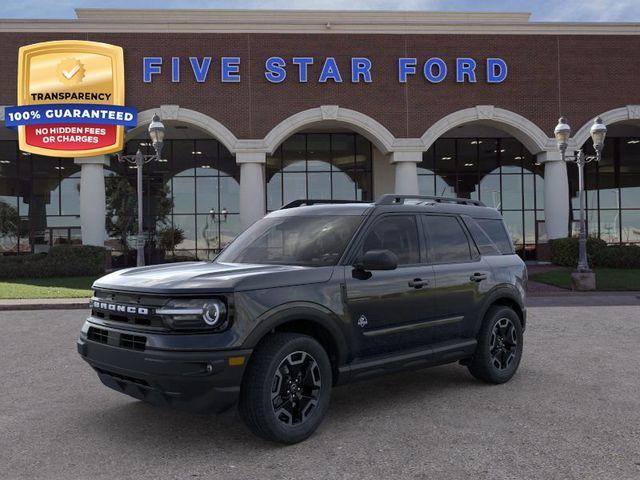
(156, 132)
(562, 133)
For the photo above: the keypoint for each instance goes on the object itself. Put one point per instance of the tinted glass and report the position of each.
(480, 237)
(397, 233)
(312, 241)
(447, 239)
(496, 231)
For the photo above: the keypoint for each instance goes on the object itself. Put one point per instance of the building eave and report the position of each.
(309, 21)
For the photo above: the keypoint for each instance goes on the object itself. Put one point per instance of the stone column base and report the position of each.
(583, 281)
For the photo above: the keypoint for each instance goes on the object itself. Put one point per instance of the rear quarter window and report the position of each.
(496, 231)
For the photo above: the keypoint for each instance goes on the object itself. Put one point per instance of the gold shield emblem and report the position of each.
(71, 72)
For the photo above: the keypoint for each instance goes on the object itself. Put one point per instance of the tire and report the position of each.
(500, 345)
(297, 369)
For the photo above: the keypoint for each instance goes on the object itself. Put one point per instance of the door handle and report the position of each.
(418, 283)
(478, 277)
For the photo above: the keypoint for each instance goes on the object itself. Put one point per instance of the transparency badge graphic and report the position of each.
(70, 99)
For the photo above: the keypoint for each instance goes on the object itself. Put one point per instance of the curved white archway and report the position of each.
(197, 119)
(622, 114)
(382, 138)
(527, 132)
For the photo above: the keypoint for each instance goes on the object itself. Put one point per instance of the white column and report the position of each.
(92, 199)
(252, 187)
(406, 166)
(556, 194)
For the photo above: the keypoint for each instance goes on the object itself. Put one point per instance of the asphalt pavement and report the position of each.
(571, 412)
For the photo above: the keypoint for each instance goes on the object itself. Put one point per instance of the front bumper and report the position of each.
(201, 381)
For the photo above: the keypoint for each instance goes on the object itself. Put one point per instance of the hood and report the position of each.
(208, 277)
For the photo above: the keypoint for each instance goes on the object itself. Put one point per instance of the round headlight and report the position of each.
(213, 313)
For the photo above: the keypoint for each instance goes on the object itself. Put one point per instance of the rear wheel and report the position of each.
(286, 389)
(500, 344)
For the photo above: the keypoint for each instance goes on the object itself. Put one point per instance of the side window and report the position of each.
(447, 239)
(494, 228)
(484, 243)
(398, 233)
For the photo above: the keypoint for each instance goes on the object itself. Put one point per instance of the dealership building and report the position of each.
(265, 107)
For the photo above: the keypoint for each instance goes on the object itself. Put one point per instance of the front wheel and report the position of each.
(500, 344)
(286, 388)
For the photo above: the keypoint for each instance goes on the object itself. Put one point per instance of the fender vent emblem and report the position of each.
(362, 321)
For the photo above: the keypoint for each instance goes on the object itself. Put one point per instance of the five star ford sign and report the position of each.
(70, 99)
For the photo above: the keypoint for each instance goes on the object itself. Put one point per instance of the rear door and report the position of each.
(461, 276)
(389, 309)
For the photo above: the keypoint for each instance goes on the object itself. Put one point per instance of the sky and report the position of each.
(542, 10)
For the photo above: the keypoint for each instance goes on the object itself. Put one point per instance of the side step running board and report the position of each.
(445, 352)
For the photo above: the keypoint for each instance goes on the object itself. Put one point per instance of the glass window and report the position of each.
(319, 185)
(342, 186)
(487, 155)
(630, 190)
(512, 192)
(184, 152)
(319, 166)
(207, 194)
(494, 228)
(511, 155)
(183, 195)
(445, 156)
(294, 153)
(342, 151)
(313, 241)
(447, 240)
(319, 152)
(609, 226)
(397, 233)
(631, 226)
(483, 242)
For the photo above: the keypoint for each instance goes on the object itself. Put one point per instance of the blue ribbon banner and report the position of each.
(70, 113)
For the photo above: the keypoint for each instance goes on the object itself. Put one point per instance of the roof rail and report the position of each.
(391, 199)
(308, 201)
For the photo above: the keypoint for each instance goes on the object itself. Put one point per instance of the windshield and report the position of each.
(315, 241)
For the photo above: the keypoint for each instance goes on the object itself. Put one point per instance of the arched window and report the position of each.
(500, 172)
(335, 166)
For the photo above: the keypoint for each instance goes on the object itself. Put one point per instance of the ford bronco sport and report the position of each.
(313, 295)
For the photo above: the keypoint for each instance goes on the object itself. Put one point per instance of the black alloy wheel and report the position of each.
(286, 388)
(296, 388)
(500, 346)
(504, 343)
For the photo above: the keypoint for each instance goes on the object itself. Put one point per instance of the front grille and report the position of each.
(98, 335)
(124, 340)
(130, 309)
(134, 342)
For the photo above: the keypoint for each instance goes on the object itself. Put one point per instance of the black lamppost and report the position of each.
(598, 132)
(156, 133)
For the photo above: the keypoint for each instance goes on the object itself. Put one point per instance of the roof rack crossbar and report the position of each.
(309, 201)
(390, 199)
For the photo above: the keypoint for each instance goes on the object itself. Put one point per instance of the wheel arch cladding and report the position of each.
(315, 323)
(505, 298)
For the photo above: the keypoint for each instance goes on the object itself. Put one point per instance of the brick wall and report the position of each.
(578, 76)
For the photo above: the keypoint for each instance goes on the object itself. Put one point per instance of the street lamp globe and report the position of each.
(562, 133)
(598, 132)
(156, 133)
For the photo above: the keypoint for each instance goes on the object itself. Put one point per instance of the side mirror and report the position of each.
(378, 260)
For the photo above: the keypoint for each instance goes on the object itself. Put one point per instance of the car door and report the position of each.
(461, 276)
(388, 308)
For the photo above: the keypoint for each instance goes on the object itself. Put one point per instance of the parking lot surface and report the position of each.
(572, 411)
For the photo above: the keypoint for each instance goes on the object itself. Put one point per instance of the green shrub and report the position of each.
(564, 252)
(61, 261)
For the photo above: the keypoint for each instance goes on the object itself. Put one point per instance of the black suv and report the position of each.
(314, 295)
